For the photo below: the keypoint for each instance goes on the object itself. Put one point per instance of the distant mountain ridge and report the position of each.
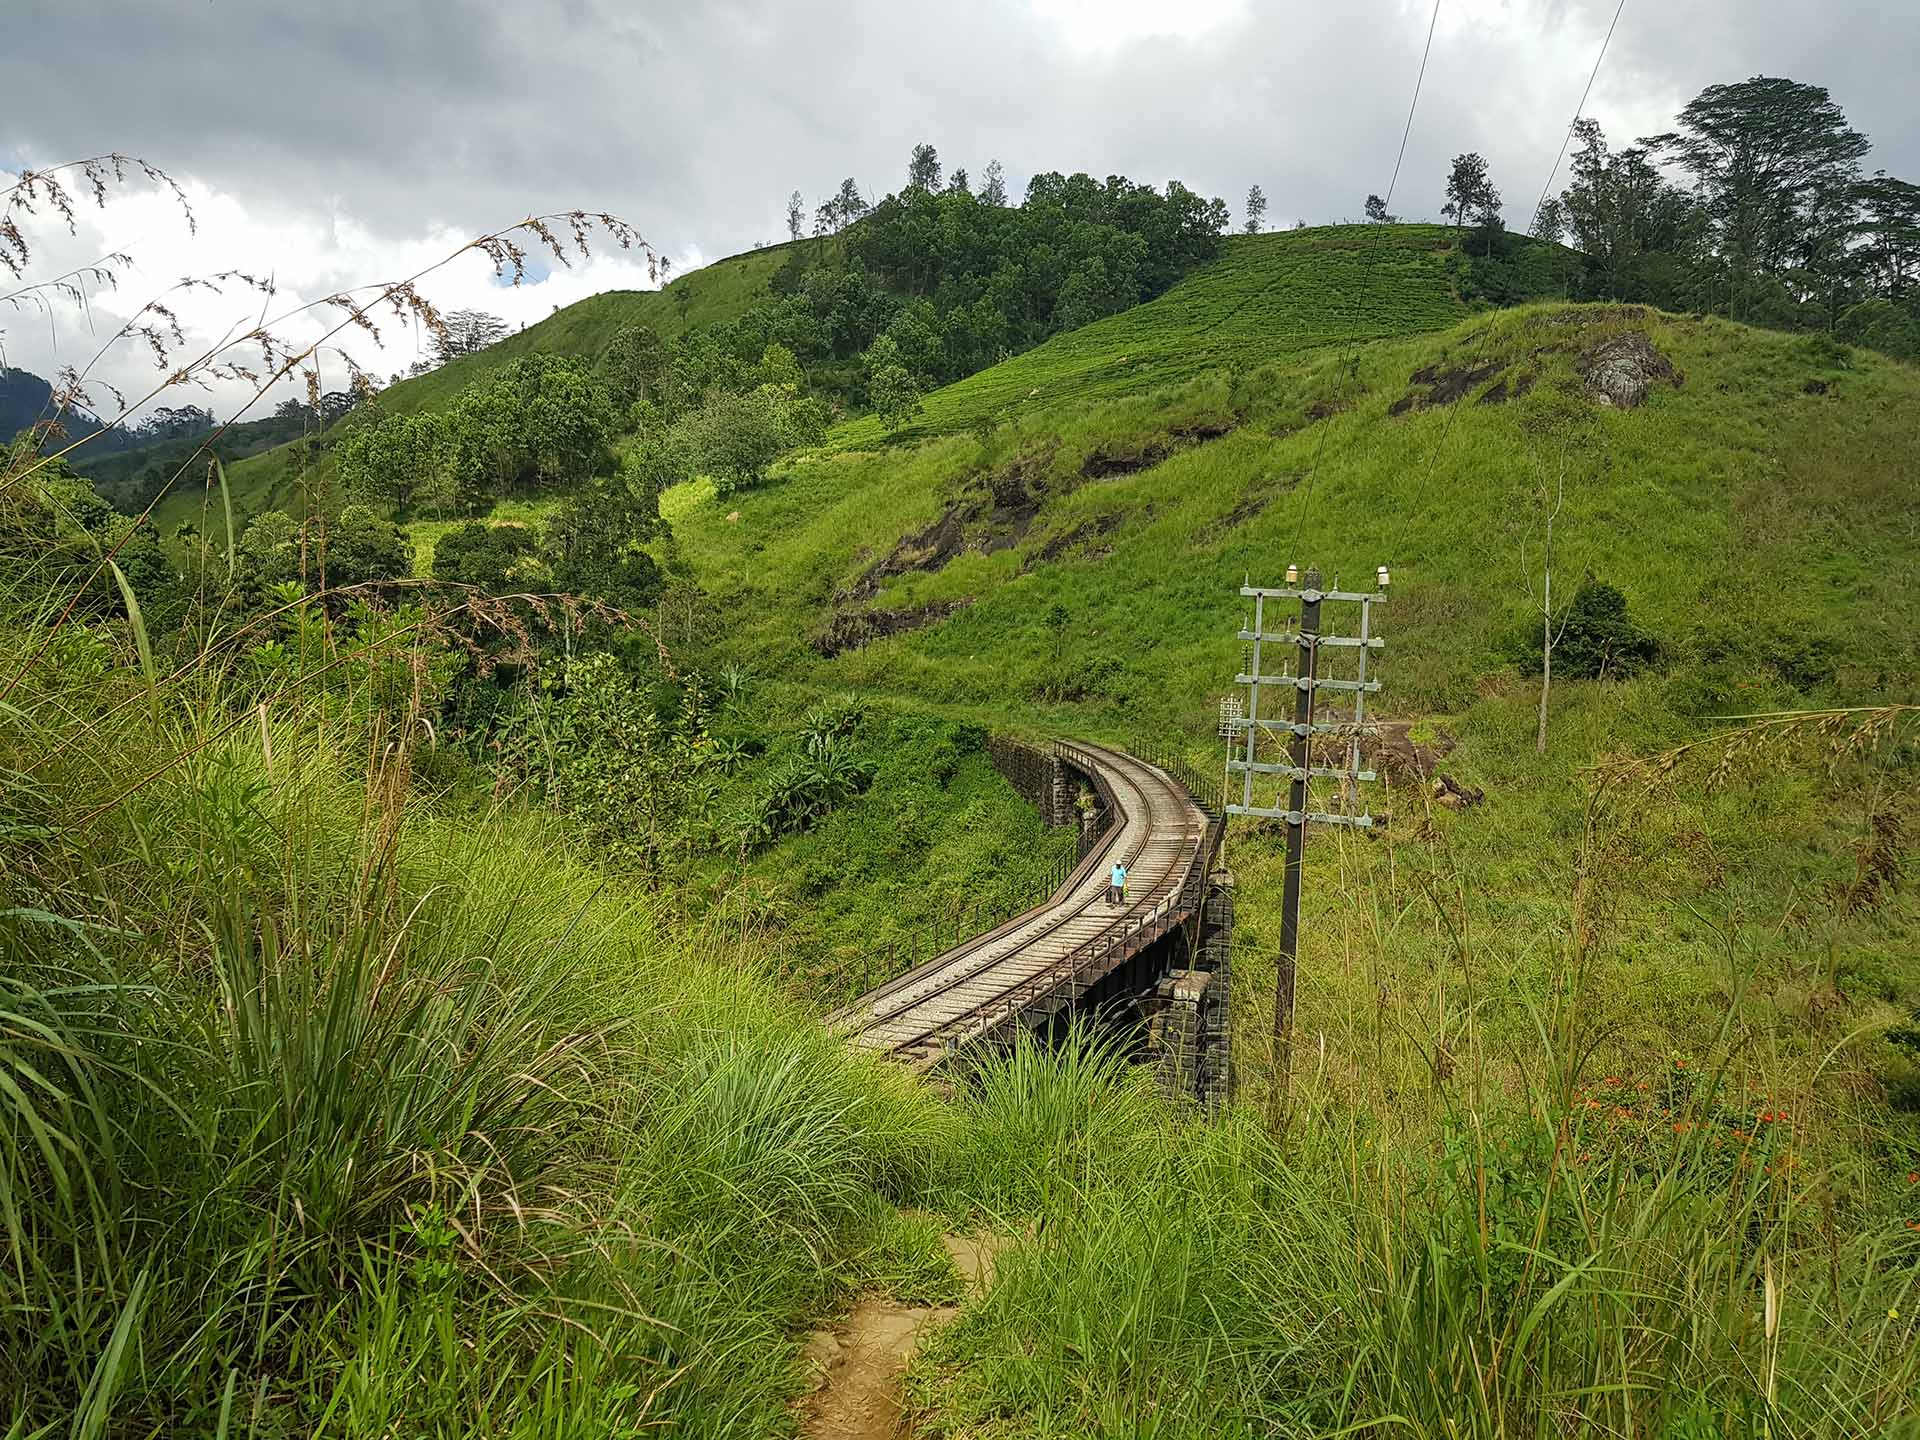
(26, 399)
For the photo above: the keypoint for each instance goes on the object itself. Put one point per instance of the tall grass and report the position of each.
(326, 1109)
(1535, 1270)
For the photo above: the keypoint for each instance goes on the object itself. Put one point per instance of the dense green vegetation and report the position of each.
(417, 895)
(1779, 227)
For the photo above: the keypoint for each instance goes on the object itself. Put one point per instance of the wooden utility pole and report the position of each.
(1299, 768)
(1300, 754)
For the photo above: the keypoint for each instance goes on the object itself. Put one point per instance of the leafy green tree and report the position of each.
(467, 332)
(650, 466)
(993, 188)
(1889, 328)
(892, 389)
(620, 772)
(1058, 618)
(592, 546)
(543, 420)
(1597, 639)
(1617, 208)
(923, 168)
(631, 363)
(1376, 209)
(778, 367)
(399, 462)
(493, 558)
(268, 552)
(364, 547)
(734, 436)
(1472, 198)
(1771, 160)
(846, 206)
(1889, 226)
(54, 534)
(1550, 221)
(1256, 209)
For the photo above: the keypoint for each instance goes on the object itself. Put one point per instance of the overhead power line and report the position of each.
(1373, 254)
(1433, 455)
(1578, 111)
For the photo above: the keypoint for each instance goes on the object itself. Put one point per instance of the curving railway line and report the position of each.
(1039, 961)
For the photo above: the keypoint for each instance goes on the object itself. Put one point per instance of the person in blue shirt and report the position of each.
(1117, 884)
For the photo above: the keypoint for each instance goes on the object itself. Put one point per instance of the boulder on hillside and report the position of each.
(1621, 370)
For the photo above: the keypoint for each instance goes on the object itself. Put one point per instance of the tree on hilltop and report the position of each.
(1471, 195)
(796, 215)
(993, 191)
(923, 170)
(1775, 164)
(1550, 221)
(1377, 212)
(846, 206)
(467, 331)
(1890, 227)
(1256, 209)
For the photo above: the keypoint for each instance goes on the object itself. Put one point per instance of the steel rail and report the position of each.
(1148, 918)
(873, 1018)
(1093, 959)
(864, 1010)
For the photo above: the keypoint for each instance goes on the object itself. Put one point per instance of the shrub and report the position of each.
(1598, 640)
(490, 557)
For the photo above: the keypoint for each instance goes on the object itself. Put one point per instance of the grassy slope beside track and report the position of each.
(1760, 531)
(661, 1174)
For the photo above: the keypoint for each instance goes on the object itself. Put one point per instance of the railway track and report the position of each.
(1045, 957)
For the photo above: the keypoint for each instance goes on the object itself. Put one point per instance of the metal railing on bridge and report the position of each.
(1070, 977)
(888, 962)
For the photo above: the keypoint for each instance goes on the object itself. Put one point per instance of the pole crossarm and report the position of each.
(1294, 637)
(1309, 817)
(1368, 597)
(1288, 727)
(1308, 682)
(1297, 772)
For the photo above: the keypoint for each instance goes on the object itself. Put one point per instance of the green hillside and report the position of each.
(479, 990)
(1759, 531)
(1267, 297)
(712, 295)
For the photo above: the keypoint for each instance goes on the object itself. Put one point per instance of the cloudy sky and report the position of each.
(358, 140)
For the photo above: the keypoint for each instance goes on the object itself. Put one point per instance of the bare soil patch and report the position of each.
(858, 1366)
(861, 1364)
(852, 629)
(1080, 535)
(1397, 754)
(993, 512)
(1108, 463)
(1445, 384)
(1247, 507)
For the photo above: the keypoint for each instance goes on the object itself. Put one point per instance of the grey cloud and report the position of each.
(695, 120)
